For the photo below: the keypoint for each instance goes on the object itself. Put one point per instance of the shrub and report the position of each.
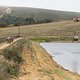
(3, 24)
(16, 24)
(4, 75)
(13, 70)
(14, 52)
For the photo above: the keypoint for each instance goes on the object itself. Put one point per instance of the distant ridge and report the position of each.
(39, 14)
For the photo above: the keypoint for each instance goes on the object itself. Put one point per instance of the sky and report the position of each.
(64, 5)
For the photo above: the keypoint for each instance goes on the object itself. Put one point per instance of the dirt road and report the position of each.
(4, 45)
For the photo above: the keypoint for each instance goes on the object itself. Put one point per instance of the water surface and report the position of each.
(65, 54)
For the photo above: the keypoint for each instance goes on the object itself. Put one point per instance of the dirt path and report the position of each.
(4, 45)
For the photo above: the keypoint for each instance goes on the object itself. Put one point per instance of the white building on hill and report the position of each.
(8, 10)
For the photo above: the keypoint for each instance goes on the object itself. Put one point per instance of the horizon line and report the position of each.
(40, 8)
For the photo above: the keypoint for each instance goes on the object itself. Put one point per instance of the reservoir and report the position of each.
(66, 55)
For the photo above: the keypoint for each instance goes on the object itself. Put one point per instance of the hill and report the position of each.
(39, 14)
(27, 60)
(15, 16)
(61, 28)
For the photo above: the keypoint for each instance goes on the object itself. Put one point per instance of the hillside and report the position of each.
(61, 29)
(27, 60)
(39, 14)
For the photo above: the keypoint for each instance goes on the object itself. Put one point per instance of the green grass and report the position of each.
(51, 38)
(52, 79)
(61, 73)
(44, 39)
(48, 71)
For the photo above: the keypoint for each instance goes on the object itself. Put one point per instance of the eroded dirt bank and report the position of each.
(39, 65)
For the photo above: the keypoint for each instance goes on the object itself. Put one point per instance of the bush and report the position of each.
(4, 75)
(14, 53)
(16, 24)
(30, 21)
(13, 70)
(3, 24)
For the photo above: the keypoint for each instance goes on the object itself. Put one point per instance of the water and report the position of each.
(65, 54)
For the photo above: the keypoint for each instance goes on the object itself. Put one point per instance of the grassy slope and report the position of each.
(58, 73)
(42, 29)
(39, 65)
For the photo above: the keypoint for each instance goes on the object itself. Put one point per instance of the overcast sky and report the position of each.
(65, 5)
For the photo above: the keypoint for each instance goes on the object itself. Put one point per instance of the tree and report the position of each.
(3, 24)
(30, 21)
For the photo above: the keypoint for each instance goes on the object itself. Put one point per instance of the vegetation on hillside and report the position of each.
(8, 19)
(12, 20)
(26, 16)
(63, 30)
(26, 60)
(12, 58)
(41, 14)
(51, 38)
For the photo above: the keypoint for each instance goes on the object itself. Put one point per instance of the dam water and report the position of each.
(66, 55)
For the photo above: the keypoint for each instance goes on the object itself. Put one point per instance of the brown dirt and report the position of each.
(39, 65)
(4, 45)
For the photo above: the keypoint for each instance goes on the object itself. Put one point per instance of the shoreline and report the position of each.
(52, 57)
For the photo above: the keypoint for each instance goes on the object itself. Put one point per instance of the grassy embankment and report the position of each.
(37, 63)
(10, 60)
(27, 60)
